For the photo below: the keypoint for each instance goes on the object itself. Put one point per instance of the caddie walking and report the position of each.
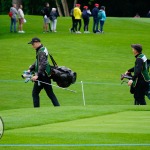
(41, 68)
(140, 80)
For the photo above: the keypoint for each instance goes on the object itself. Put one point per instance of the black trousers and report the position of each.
(49, 91)
(73, 24)
(77, 24)
(139, 92)
(95, 25)
(86, 24)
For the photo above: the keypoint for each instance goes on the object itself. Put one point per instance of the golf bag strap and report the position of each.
(52, 59)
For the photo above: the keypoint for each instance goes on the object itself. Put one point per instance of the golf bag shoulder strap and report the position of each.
(52, 59)
(148, 62)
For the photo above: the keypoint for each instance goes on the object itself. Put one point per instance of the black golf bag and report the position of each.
(148, 92)
(62, 75)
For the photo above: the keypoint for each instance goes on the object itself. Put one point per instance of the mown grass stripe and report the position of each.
(71, 145)
(75, 83)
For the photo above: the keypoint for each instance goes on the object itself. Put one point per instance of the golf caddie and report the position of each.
(140, 80)
(41, 69)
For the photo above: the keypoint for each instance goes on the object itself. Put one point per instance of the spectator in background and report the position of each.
(103, 18)
(53, 18)
(77, 14)
(14, 12)
(46, 16)
(148, 15)
(72, 30)
(137, 15)
(21, 19)
(86, 18)
(95, 11)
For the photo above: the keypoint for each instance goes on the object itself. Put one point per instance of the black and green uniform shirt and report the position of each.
(41, 65)
(140, 69)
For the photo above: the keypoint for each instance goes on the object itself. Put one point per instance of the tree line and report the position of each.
(116, 8)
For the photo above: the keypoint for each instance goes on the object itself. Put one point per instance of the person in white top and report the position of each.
(21, 19)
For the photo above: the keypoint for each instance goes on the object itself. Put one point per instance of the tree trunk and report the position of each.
(75, 2)
(58, 8)
(65, 7)
(17, 2)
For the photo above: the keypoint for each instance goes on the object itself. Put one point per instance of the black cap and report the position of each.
(35, 39)
(137, 47)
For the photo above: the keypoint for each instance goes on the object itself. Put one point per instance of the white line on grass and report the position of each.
(107, 83)
(71, 145)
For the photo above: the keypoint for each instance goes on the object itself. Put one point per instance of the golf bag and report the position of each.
(148, 92)
(62, 75)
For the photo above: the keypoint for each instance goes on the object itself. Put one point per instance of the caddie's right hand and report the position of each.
(126, 72)
(34, 78)
(130, 82)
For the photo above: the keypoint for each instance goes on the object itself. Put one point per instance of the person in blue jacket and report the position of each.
(102, 20)
(95, 11)
(86, 18)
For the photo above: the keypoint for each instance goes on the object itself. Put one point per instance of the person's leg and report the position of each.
(88, 20)
(49, 27)
(44, 25)
(75, 24)
(84, 21)
(11, 24)
(15, 22)
(55, 25)
(35, 94)
(21, 25)
(50, 93)
(94, 24)
(101, 25)
(80, 24)
(19, 20)
(139, 98)
(139, 93)
(22, 22)
(144, 88)
(52, 26)
(73, 20)
(21, 29)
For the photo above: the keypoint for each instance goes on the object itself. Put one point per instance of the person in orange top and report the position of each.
(77, 14)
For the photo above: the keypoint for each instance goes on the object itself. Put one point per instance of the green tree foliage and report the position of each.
(124, 8)
(5, 6)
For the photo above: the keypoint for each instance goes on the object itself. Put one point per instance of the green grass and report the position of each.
(109, 116)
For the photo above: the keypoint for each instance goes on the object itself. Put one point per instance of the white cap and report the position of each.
(53, 9)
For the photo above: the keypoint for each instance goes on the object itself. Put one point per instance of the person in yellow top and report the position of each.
(77, 14)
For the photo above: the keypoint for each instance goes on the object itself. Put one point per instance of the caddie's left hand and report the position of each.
(130, 82)
(34, 78)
